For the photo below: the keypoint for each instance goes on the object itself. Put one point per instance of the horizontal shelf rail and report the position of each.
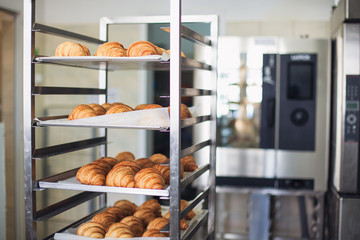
(192, 92)
(64, 33)
(57, 177)
(75, 224)
(194, 176)
(194, 203)
(191, 35)
(62, 206)
(66, 90)
(68, 147)
(192, 121)
(189, 234)
(194, 148)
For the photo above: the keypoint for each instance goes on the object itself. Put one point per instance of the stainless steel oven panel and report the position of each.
(245, 162)
(346, 153)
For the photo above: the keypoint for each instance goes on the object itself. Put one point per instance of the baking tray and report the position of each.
(158, 62)
(70, 182)
(151, 119)
(70, 234)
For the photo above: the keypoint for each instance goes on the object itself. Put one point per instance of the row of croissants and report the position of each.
(127, 220)
(126, 171)
(111, 49)
(94, 109)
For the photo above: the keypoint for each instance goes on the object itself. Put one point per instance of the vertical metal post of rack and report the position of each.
(213, 105)
(175, 133)
(28, 114)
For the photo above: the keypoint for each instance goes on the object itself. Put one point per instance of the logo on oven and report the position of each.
(300, 57)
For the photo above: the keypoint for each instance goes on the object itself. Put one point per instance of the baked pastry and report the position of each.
(118, 212)
(154, 233)
(152, 106)
(183, 204)
(145, 214)
(154, 205)
(165, 170)
(118, 109)
(91, 174)
(126, 205)
(119, 230)
(91, 229)
(150, 178)
(182, 53)
(103, 164)
(82, 111)
(183, 223)
(106, 106)
(125, 156)
(184, 112)
(141, 107)
(144, 163)
(142, 48)
(132, 164)
(111, 49)
(189, 163)
(121, 177)
(105, 219)
(110, 160)
(99, 110)
(70, 48)
(159, 158)
(158, 223)
(136, 225)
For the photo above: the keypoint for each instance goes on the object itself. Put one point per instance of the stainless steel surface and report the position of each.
(63, 90)
(269, 213)
(190, 35)
(345, 153)
(194, 148)
(63, 33)
(247, 159)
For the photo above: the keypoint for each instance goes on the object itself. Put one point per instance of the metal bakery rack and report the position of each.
(65, 180)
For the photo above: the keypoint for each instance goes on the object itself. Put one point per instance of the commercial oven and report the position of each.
(344, 195)
(273, 112)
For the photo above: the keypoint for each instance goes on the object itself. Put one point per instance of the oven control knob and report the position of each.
(351, 119)
(299, 117)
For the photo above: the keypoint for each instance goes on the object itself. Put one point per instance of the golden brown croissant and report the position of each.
(184, 111)
(125, 156)
(144, 162)
(160, 50)
(70, 48)
(145, 214)
(105, 218)
(150, 178)
(136, 225)
(106, 106)
(159, 158)
(111, 49)
(99, 110)
(110, 160)
(104, 165)
(142, 48)
(131, 164)
(189, 163)
(121, 177)
(82, 111)
(140, 107)
(183, 223)
(119, 230)
(91, 229)
(91, 174)
(152, 106)
(126, 205)
(158, 223)
(191, 214)
(118, 212)
(118, 109)
(153, 233)
(154, 205)
(165, 170)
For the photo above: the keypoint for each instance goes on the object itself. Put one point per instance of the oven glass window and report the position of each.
(300, 81)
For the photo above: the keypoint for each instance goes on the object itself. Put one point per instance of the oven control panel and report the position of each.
(351, 125)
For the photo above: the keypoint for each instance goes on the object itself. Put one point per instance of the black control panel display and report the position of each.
(300, 80)
(352, 108)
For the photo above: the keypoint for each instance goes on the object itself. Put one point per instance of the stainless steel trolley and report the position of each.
(177, 63)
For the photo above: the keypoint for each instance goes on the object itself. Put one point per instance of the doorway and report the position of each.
(7, 76)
